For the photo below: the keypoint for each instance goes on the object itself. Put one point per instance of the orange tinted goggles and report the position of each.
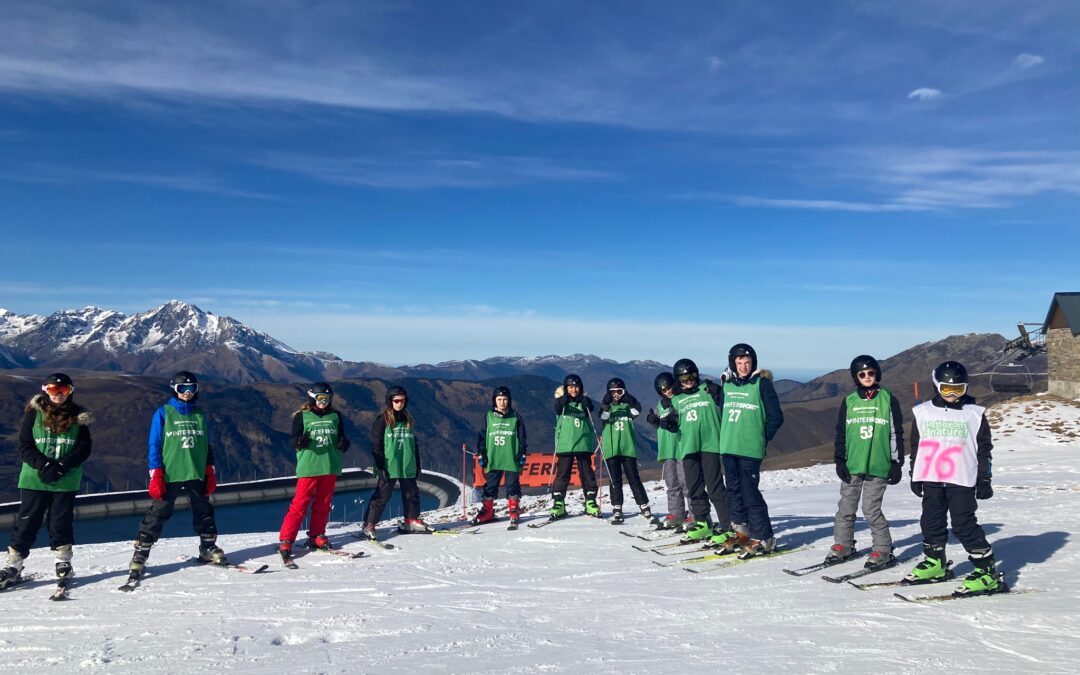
(58, 389)
(952, 389)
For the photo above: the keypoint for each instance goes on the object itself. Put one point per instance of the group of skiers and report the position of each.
(711, 439)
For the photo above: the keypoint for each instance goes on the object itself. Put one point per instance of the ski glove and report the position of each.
(559, 392)
(157, 484)
(606, 414)
(521, 461)
(842, 473)
(51, 472)
(303, 441)
(916, 487)
(983, 489)
(605, 403)
(343, 444)
(211, 479)
(652, 419)
(896, 472)
(482, 461)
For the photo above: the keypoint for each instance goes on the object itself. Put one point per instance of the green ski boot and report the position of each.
(931, 568)
(700, 531)
(558, 510)
(592, 508)
(984, 579)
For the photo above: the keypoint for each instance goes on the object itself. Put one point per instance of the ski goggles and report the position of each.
(57, 389)
(398, 400)
(187, 388)
(617, 392)
(688, 378)
(323, 398)
(952, 389)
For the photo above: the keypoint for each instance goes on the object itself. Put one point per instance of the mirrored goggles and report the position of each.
(187, 388)
(323, 398)
(57, 389)
(952, 389)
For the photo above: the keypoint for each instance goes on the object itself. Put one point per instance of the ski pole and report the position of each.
(463, 456)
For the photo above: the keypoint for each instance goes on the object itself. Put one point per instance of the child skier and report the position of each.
(575, 440)
(950, 469)
(397, 460)
(500, 449)
(667, 453)
(54, 441)
(318, 436)
(695, 412)
(869, 456)
(180, 460)
(618, 410)
(750, 410)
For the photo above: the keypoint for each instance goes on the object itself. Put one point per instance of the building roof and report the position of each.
(1064, 312)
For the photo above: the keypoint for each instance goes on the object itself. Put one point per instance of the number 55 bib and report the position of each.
(947, 450)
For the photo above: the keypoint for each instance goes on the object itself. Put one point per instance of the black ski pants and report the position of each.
(941, 501)
(35, 506)
(705, 486)
(512, 484)
(748, 506)
(410, 499)
(202, 511)
(565, 467)
(618, 467)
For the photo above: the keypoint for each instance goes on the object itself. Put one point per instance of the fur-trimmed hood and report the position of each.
(75, 412)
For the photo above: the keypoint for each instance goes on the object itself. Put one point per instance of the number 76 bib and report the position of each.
(947, 450)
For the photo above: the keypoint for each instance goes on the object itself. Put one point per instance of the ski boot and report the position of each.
(838, 553)
(879, 560)
(486, 513)
(414, 526)
(984, 579)
(669, 522)
(515, 511)
(367, 533)
(142, 552)
(209, 551)
(931, 568)
(63, 562)
(756, 547)
(685, 525)
(284, 549)
(592, 509)
(647, 514)
(725, 540)
(616, 514)
(12, 569)
(558, 507)
(698, 533)
(318, 542)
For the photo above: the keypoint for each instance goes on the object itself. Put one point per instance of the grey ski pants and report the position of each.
(871, 490)
(675, 480)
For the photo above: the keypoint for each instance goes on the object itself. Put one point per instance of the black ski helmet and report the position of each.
(59, 378)
(184, 377)
(950, 372)
(684, 367)
(572, 380)
(319, 389)
(741, 349)
(865, 362)
(664, 381)
(616, 383)
(396, 391)
(502, 391)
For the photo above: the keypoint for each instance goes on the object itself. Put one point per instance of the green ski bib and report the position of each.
(574, 430)
(185, 445)
(618, 437)
(667, 442)
(868, 434)
(699, 422)
(399, 443)
(320, 457)
(742, 432)
(54, 446)
(501, 442)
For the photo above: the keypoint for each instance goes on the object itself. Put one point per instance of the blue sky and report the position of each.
(409, 182)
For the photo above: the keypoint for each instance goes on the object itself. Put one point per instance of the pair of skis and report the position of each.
(135, 577)
(288, 560)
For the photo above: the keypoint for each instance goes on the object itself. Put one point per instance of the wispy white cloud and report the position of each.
(419, 172)
(925, 94)
(1026, 60)
(199, 182)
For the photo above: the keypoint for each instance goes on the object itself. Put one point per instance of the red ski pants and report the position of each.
(316, 492)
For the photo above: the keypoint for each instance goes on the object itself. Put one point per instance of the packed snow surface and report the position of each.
(575, 597)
